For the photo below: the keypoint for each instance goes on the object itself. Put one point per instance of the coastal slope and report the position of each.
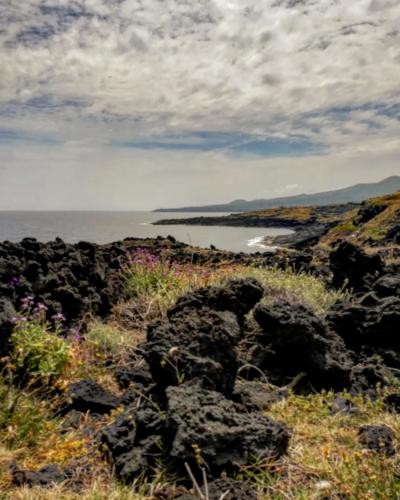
(371, 223)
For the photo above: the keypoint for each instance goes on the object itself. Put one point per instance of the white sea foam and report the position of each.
(258, 243)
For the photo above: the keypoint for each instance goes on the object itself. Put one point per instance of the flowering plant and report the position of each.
(39, 352)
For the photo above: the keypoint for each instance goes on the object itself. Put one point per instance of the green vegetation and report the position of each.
(108, 338)
(156, 282)
(159, 282)
(294, 287)
(38, 353)
(325, 458)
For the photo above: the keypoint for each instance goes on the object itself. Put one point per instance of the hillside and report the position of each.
(356, 194)
(376, 222)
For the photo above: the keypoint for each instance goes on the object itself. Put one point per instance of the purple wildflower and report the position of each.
(15, 281)
(27, 302)
(58, 318)
(40, 310)
(144, 257)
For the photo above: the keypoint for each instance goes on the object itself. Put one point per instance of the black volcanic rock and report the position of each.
(352, 267)
(387, 285)
(134, 441)
(126, 375)
(47, 476)
(394, 234)
(370, 329)
(294, 340)
(225, 436)
(87, 395)
(194, 344)
(7, 312)
(379, 438)
(238, 296)
(392, 402)
(367, 212)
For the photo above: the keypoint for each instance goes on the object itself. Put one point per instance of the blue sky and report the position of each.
(137, 104)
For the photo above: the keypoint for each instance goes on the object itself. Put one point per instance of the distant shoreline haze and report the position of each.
(356, 194)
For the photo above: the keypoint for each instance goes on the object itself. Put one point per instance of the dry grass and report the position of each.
(325, 458)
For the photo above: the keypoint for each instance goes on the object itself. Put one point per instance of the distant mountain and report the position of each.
(356, 193)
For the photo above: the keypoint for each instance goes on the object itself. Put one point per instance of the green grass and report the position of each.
(158, 283)
(296, 287)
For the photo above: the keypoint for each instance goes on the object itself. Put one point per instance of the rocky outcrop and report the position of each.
(198, 340)
(188, 413)
(352, 267)
(237, 296)
(202, 425)
(71, 280)
(368, 327)
(82, 279)
(293, 340)
(196, 345)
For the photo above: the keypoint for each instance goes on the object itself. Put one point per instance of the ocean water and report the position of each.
(105, 227)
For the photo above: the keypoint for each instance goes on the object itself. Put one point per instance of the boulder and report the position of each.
(371, 328)
(135, 441)
(194, 344)
(203, 426)
(136, 374)
(379, 438)
(87, 395)
(367, 375)
(45, 477)
(238, 296)
(294, 340)
(352, 267)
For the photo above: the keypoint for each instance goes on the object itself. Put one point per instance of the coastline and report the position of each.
(308, 224)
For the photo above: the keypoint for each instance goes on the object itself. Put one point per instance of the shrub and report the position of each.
(37, 352)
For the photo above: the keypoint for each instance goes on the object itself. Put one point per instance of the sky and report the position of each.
(139, 104)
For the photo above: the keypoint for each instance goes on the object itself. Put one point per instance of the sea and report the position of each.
(106, 227)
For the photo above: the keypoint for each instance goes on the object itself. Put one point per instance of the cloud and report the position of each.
(258, 79)
(179, 65)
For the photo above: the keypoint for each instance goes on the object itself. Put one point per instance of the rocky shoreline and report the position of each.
(180, 398)
(308, 226)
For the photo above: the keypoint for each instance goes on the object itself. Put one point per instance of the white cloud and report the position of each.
(88, 72)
